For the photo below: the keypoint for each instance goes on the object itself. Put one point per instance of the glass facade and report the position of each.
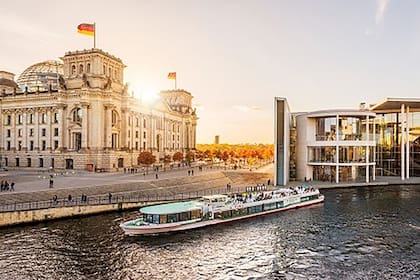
(388, 143)
(322, 154)
(326, 129)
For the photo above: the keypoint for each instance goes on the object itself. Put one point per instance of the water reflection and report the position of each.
(356, 233)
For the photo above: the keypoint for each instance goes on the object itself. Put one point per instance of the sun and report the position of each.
(148, 95)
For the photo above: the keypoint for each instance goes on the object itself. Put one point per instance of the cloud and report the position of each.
(381, 6)
(245, 108)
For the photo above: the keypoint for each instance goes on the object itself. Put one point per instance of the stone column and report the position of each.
(85, 128)
(108, 125)
(48, 132)
(25, 133)
(36, 130)
(13, 132)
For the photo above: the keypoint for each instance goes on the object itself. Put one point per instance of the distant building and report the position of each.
(348, 145)
(78, 114)
(216, 139)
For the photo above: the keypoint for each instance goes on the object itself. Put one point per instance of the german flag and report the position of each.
(86, 29)
(172, 76)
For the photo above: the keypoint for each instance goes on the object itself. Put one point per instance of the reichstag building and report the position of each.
(78, 114)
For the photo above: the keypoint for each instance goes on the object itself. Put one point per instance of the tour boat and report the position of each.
(218, 209)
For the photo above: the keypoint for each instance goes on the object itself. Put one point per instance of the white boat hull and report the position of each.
(192, 224)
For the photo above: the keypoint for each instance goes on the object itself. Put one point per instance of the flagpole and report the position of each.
(94, 35)
(175, 82)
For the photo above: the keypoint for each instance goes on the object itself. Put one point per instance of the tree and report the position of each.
(189, 156)
(178, 156)
(146, 158)
(167, 159)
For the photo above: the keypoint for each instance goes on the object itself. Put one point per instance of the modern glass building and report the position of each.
(349, 145)
(397, 126)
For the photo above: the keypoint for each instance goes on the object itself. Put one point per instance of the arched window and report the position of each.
(77, 115)
(88, 68)
(109, 71)
(73, 69)
(80, 68)
(115, 75)
(104, 70)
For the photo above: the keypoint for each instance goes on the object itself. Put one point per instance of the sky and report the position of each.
(234, 56)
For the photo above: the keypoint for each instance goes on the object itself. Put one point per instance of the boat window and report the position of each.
(243, 211)
(172, 218)
(195, 214)
(227, 214)
(237, 212)
(184, 216)
(259, 208)
(163, 219)
(269, 206)
(280, 204)
(252, 210)
(156, 219)
(149, 218)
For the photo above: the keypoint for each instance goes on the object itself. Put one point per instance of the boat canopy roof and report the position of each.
(171, 208)
(215, 197)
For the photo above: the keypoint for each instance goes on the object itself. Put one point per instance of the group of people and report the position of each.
(5, 186)
(256, 188)
(191, 172)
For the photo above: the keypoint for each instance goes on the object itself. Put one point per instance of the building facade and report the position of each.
(349, 145)
(79, 115)
(335, 146)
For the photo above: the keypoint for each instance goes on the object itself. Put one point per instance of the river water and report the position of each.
(360, 233)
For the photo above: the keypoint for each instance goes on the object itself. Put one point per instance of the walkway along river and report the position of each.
(358, 233)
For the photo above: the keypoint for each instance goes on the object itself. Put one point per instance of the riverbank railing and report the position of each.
(115, 198)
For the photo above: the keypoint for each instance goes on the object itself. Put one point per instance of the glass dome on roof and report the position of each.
(41, 75)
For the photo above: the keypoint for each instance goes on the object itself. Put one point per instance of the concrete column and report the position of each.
(407, 139)
(337, 151)
(374, 150)
(402, 143)
(85, 128)
(367, 148)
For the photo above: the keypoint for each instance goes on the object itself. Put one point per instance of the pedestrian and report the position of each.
(51, 181)
(192, 172)
(157, 177)
(69, 199)
(189, 172)
(268, 182)
(109, 197)
(12, 187)
(6, 186)
(55, 198)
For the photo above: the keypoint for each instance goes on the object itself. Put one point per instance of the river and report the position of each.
(358, 233)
